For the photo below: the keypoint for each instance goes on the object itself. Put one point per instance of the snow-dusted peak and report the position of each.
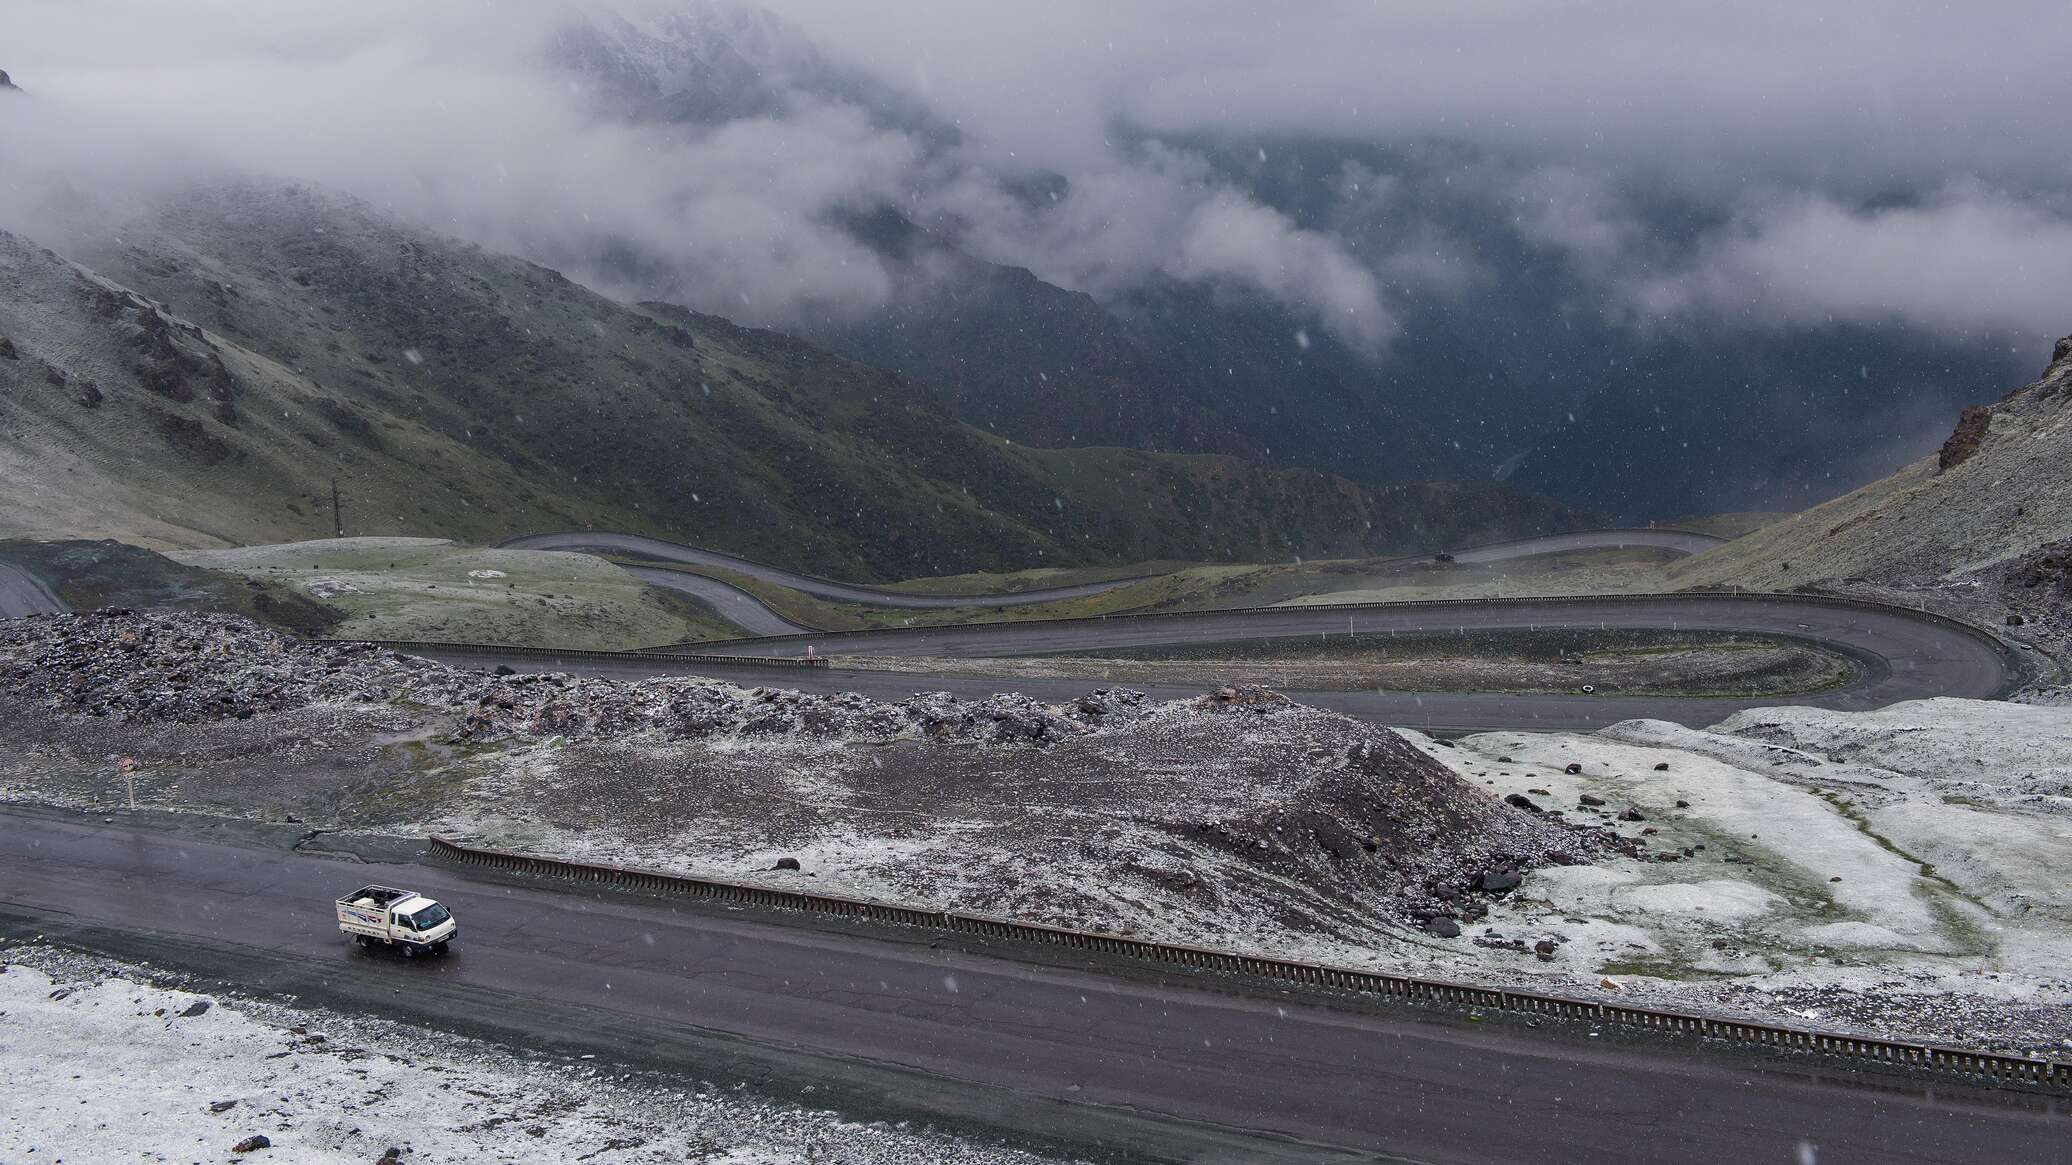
(707, 30)
(690, 60)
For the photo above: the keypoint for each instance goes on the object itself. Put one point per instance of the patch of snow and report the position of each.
(101, 1068)
(1718, 899)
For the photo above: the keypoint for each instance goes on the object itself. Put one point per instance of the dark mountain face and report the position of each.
(1512, 360)
(500, 391)
(1759, 422)
(1171, 367)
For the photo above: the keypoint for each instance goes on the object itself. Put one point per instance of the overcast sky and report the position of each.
(1871, 161)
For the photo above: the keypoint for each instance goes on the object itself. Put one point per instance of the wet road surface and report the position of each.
(1399, 1083)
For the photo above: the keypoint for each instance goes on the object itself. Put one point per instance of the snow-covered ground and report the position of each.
(1900, 873)
(1904, 870)
(100, 1066)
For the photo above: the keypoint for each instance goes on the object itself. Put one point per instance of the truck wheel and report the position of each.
(409, 950)
(439, 949)
(360, 941)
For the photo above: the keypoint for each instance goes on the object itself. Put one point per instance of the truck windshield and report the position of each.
(430, 916)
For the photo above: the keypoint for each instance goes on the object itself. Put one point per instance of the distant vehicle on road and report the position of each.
(1442, 556)
(397, 918)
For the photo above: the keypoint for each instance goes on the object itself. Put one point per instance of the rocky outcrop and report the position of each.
(7, 84)
(1971, 430)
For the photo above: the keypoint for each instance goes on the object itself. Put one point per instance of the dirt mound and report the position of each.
(192, 669)
(1381, 821)
(1239, 813)
(187, 669)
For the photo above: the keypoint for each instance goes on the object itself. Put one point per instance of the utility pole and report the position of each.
(337, 514)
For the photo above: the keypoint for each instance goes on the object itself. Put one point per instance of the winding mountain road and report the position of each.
(22, 593)
(735, 605)
(1112, 1062)
(1899, 654)
(759, 619)
(638, 546)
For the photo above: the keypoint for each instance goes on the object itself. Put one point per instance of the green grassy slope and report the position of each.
(121, 419)
(430, 589)
(462, 394)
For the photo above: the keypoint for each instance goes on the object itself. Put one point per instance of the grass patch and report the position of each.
(92, 575)
(432, 590)
(811, 611)
(1683, 663)
(992, 583)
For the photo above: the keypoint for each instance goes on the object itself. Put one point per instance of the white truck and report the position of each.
(398, 918)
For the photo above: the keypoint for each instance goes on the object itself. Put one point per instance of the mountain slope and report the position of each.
(120, 419)
(470, 395)
(1515, 356)
(1169, 367)
(1997, 490)
(1173, 367)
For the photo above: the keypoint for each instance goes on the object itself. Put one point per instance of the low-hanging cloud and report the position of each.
(1590, 109)
(483, 136)
(474, 136)
(1229, 237)
(1967, 263)
(1162, 212)
(1858, 94)
(1874, 137)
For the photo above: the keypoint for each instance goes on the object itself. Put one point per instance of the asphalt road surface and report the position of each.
(22, 593)
(1900, 656)
(639, 546)
(734, 604)
(1405, 1084)
(1684, 542)
(754, 617)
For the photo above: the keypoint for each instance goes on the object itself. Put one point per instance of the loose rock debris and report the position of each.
(1236, 820)
(1236, 813)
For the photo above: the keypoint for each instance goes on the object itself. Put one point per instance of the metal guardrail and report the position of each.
(406, 645)
(1988, 1066)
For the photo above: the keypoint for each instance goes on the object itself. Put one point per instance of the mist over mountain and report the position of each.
(1487, 346)
(1381, 245)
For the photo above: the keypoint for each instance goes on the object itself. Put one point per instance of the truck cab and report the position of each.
(403, 919)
